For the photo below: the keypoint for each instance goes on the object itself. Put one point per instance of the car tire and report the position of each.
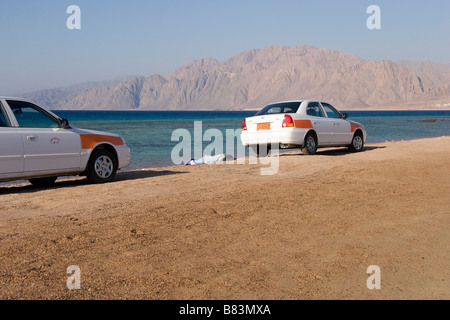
(261, 152)
(102, 167)
(357, 143)
(310, 145)
(43, 182)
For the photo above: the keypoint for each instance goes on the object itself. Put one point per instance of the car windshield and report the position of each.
(284, 107)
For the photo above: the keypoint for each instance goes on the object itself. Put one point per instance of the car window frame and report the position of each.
(332, 108)
(38, 109)
(5, 116)
(324, 114)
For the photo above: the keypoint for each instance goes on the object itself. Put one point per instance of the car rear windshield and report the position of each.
(284, 107)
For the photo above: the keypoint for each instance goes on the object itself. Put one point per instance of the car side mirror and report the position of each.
(344, 116)
(64, 123)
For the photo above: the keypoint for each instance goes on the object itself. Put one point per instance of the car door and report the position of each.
(47, 147)
(11, 148)
(320, 123)
(340, 128)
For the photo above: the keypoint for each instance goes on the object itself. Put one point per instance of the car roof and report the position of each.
(12, 98)
(301, 101)
(289, 101)
(26, 100)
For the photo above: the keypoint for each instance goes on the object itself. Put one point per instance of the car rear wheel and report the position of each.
(43, 182)
(310, 146)
(102, 167)
(357, 143)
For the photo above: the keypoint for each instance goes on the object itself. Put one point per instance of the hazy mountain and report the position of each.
(53, 98)
(432, 70)
(257, 77)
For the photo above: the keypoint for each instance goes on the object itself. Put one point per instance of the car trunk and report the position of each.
(265, 123)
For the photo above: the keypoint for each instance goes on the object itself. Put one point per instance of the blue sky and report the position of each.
(144, 37)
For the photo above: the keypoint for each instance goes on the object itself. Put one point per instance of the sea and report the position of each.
(150, 134)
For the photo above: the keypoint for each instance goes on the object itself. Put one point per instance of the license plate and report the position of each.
(263, 126)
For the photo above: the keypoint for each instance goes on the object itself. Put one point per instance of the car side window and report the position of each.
(314, 110)
(331, 112)
(30, 116)
(3, 119)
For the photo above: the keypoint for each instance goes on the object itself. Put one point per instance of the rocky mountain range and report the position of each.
(257, 77)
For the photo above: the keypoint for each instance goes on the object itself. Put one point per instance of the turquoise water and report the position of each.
(148, 133)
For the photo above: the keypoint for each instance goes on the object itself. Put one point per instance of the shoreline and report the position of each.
(171, 166)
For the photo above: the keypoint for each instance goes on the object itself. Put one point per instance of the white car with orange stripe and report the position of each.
(37, 145)
(301, 124)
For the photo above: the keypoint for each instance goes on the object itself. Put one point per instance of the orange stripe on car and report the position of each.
(355, 126)
(304, 124)
(89, 141)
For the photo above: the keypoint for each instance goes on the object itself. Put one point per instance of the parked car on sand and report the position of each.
(37, 145)
(306, 124)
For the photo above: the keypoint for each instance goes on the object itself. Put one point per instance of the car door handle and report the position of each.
(32, 138)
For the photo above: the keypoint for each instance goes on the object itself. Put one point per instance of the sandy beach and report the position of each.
(228, 232)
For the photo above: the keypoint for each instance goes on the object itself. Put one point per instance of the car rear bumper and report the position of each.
(286, 136)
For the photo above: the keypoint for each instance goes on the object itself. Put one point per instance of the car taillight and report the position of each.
(288, 122)
(244, 125)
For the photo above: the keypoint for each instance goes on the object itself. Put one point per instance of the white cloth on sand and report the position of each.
(219, 158)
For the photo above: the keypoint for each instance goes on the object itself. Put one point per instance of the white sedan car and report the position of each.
(301, 124)
(37, 145)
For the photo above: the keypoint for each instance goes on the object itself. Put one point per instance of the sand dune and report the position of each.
(227, 232)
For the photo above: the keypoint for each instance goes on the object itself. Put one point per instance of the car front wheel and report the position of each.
(357, 143)
(102, 167)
